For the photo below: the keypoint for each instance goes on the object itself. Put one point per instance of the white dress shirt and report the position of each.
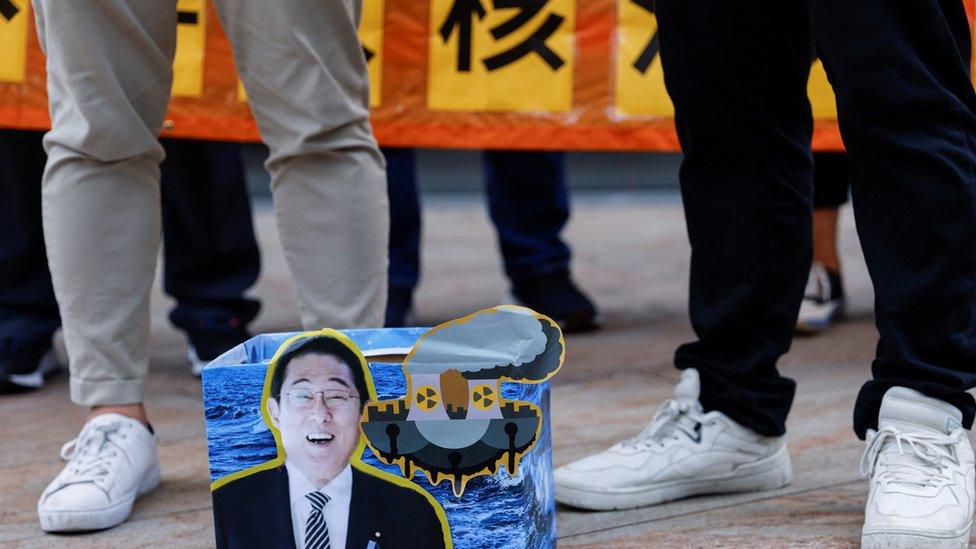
(336, 511)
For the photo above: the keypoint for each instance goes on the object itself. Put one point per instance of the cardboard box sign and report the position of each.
(483, 504)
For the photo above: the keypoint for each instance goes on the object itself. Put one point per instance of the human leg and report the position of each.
(529, 204)
(737, 73)
(831, 185)
(823, 299)
(211, 256)
(825, 238)
(109, 76)
(28, 310)
(405, 229)
(913, 160)
(303, 67)
(907, 112)
(101, 184)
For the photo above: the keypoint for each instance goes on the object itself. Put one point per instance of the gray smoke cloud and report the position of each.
(492, 343)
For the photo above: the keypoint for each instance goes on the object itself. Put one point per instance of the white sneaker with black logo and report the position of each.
(111, 463)
(921, 468)
(683, 452)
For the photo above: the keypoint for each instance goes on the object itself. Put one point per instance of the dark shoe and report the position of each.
(26, 368)
(399, 304)
(204, 347)
(556, 296)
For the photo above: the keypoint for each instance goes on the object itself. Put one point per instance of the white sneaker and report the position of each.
(683, 452)
(30, 375)
(921, 466)
(111, 463)
(196, 363)
(823, 301)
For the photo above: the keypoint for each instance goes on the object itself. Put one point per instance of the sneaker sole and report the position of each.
(99, 519)
(46, 367)
(907, 540)
(769, 473)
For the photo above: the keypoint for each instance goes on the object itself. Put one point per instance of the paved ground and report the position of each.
(632, 255)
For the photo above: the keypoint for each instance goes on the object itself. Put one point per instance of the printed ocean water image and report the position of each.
(493, 512)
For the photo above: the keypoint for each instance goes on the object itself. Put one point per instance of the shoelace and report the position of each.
(90, 455)
(667, 419)
(925, 465)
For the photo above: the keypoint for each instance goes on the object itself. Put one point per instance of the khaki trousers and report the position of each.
(109, 77)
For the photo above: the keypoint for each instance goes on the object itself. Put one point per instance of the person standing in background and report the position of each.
(211, 255)
(824, 299)
(529, 205)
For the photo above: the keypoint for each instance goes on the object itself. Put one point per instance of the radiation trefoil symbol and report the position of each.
(427, 398)
(483, 397)
(454, 423)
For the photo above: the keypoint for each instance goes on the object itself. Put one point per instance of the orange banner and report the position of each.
(569, 74)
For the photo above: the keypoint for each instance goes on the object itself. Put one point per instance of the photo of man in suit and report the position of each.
(317, 493)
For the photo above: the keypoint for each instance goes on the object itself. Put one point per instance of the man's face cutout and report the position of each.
(317, 415)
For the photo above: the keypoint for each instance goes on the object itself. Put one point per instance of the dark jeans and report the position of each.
(210, 251)
(401, 184)
(210, 254)
(527, 199)
(737, 72)
(28, 311)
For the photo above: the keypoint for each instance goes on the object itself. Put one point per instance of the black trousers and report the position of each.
(737, 72)
(211, 256)
(831, 180)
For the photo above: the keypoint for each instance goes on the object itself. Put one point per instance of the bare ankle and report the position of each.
(135, 411)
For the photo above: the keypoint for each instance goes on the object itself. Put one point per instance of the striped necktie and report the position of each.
(316, 530)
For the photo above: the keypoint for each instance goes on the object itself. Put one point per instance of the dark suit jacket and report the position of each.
(255, 511)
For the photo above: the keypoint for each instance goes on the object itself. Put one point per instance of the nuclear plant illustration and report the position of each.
(453, 423)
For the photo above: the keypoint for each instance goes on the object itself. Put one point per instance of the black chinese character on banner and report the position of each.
(186, 18)
(8, 9)
(464, 12)
(650, 51)
(462, 16)
(536, 43)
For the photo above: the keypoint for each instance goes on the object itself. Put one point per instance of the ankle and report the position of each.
(832, 264)
(134, 411)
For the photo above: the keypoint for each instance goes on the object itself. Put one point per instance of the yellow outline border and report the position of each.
(356, 460)
(401, 461)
